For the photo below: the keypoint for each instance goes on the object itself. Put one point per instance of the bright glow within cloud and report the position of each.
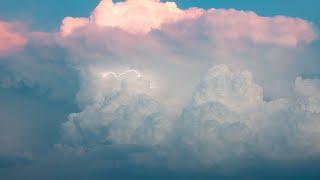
(123, 112)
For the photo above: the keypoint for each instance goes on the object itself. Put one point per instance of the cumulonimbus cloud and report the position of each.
(226, 117)
(10, 39)
(205, 104)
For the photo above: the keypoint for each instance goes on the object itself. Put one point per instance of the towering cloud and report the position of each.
(220, 116)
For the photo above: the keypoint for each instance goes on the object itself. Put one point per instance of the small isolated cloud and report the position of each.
(10, 39)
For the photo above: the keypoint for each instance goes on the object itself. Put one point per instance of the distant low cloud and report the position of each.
(11, 40)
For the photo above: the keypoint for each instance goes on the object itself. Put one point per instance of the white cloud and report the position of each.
(120, 112)
(281, 129)
(236, 91)
(227, 120)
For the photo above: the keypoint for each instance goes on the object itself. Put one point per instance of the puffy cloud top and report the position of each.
(142, 16)
(135, 16)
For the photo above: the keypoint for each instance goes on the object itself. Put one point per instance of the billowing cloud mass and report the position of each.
(121, 112)
(152, 85)
(226, 120)
(280, 129)
(10, 39)
(215, 119)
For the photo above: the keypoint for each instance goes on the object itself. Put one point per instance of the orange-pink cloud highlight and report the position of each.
(222, 25)
(236, 25)
(10, 40)
(135, 16)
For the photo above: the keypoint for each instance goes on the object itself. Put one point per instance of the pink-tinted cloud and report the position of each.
(10, 40)
(135, 16)
(221, 25)
(70, 24)
(240, 25)
(140, 15)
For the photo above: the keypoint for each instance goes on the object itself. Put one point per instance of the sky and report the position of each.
(149, 89)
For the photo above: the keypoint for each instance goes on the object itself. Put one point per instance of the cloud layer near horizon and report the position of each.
(10, 39)
(211, 86)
